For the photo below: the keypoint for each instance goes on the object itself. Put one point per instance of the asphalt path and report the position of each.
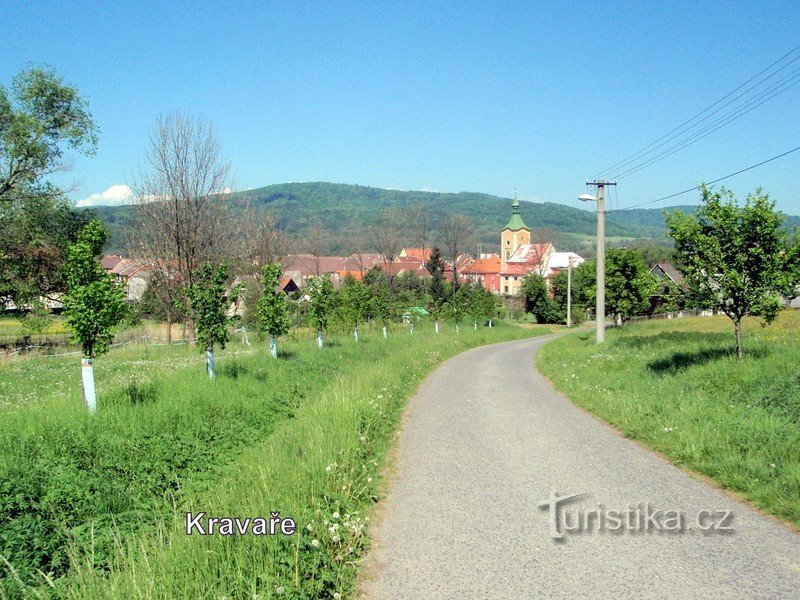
(487, 440)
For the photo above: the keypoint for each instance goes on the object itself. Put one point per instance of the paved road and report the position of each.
(487, 439)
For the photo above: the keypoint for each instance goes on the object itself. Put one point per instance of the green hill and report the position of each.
(347, 210)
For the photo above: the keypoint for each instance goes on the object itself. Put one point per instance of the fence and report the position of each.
(125, 338)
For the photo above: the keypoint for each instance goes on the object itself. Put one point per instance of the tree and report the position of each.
(94, 305)
(559, 289)
(386, 237)
(538, 302)
(355, 302)
(736, 259)
(629, 284)
(380, 302)
(418, 223)
(458, 305)
(435, 266)
(264, 241)
(482, 304)
(209, 299)
(39, 118)
(457, 232)
(181, 220)
(273, 311)
(316, 239)
(320, 291)
(35, 233)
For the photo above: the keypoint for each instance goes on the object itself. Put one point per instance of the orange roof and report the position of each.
(354, 274)
(485, 265)
(421, 254)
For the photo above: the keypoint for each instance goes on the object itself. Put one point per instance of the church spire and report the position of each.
(516, 221)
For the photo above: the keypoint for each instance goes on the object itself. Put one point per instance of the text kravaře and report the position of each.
(200, 524)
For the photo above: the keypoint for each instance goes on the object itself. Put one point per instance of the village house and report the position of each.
(132, 274)
(486, 271)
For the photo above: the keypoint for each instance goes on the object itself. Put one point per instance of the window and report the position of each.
(508, 242)
(506, 289)
(508, 254)
(515, 278)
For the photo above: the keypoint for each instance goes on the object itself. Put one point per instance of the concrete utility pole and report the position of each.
(600, 308)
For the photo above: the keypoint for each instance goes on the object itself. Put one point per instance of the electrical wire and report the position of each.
(752, 104)
(663, 139)
(691, 189)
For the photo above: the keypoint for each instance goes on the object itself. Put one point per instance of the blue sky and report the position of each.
(441, 96)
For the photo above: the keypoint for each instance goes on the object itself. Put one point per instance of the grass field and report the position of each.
(677, 386)
(94, 507)
(13, 327)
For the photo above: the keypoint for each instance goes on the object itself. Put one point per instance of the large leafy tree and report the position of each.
(736, 259)
(537, 299)
(273, 310)
(94, 305)
(629, 284)
(210, 297)
(40, 116)
(34, 236)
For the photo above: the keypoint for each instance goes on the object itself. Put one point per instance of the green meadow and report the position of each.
(94, 506)
(677, 386)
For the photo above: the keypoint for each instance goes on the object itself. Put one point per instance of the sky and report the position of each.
(440, 96)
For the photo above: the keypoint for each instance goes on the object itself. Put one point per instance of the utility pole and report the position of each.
(569, 293)
(600, 308)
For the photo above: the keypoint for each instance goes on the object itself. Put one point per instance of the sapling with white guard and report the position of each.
(210, 298)
(273, 310)
(94, 305)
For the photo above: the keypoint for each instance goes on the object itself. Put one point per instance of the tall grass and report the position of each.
(93, 507)
(677, 386)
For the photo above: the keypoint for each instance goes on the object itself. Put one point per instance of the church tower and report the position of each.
(513, 235)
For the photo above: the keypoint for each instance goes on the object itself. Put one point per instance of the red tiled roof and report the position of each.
(128, 267)
(484, 266)
(518, 269)
(421, 254)
(109, 261)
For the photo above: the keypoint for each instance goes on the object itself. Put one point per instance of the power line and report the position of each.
(646, 149)
(691, 189)
(751, 105)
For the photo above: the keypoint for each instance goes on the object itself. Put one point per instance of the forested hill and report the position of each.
(347, 210)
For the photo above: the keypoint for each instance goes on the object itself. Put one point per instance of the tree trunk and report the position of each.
(737, 325)
(210, 363)
(87, 376)
(169, 327)
(273, 347)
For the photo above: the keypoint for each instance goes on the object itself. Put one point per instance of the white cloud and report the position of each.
(113, 196)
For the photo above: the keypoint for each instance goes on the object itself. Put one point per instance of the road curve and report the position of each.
(486, 439)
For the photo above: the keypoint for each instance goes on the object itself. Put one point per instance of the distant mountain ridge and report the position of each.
(345, 210)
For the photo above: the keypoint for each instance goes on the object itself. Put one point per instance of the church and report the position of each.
(520, 257)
